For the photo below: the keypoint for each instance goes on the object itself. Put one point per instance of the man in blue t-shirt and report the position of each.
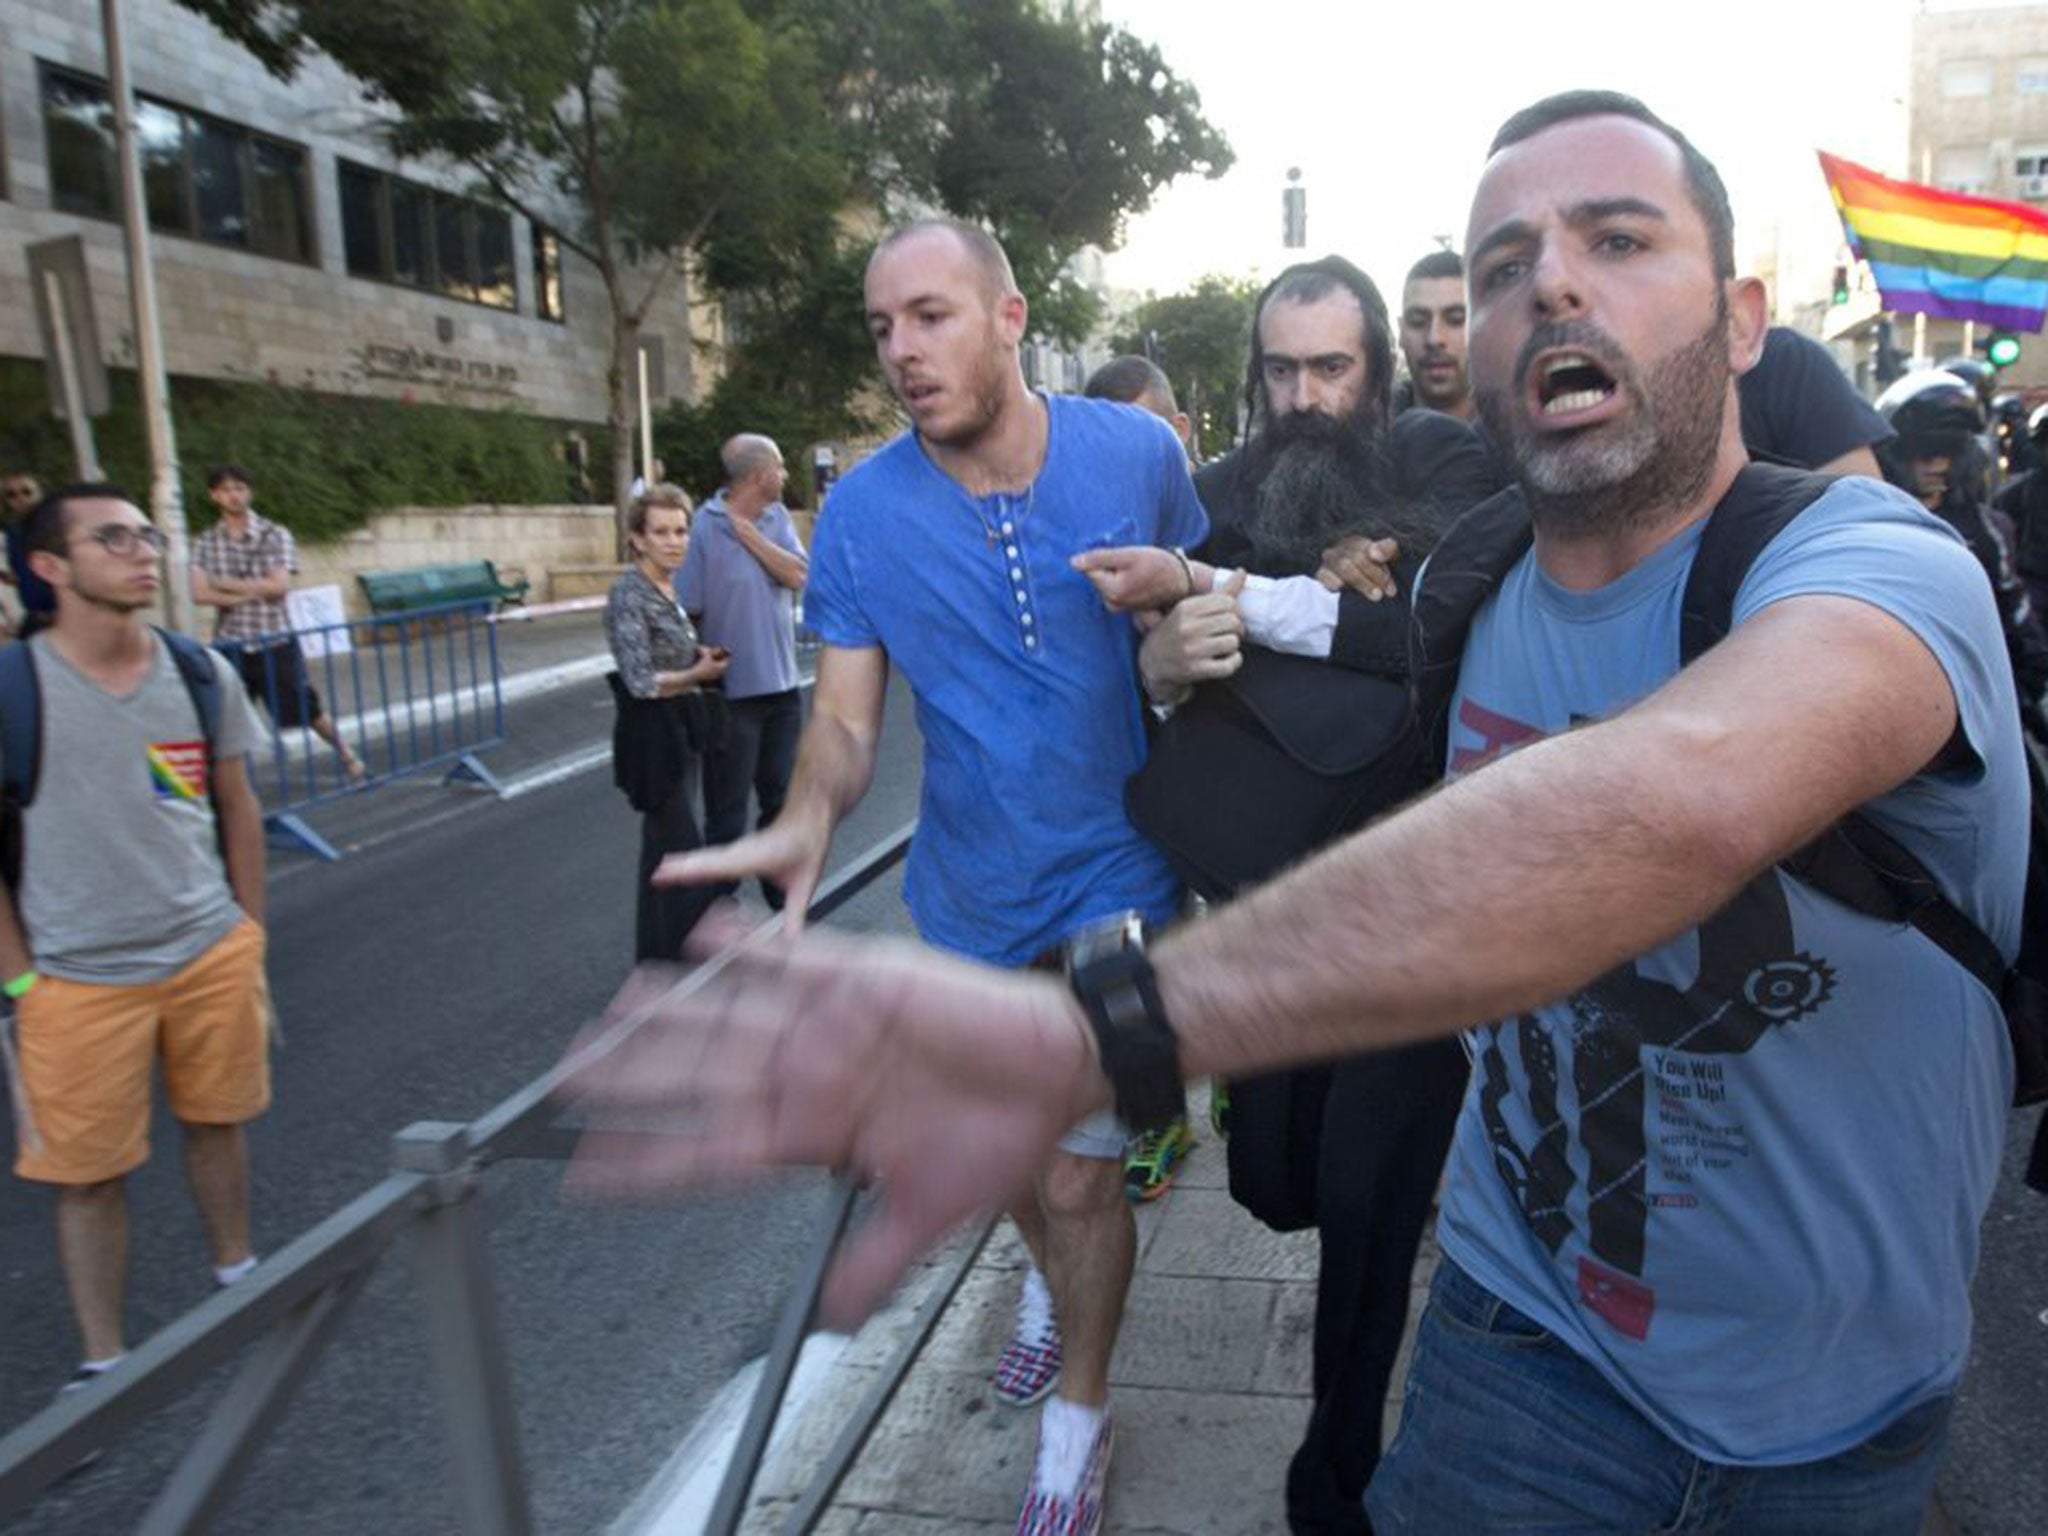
(1713, 1202)
(948, 554)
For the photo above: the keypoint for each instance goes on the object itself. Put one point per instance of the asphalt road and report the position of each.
(441, 965)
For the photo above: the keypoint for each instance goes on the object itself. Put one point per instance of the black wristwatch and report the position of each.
(1108, 970)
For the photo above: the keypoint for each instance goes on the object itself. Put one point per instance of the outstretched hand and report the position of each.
(1135, 577)
(788, 853)
(944, 1084)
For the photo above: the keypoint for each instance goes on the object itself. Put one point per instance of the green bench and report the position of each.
(434, 586)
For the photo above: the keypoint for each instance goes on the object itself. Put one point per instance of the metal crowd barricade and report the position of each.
(409, 693)
(280, 1318)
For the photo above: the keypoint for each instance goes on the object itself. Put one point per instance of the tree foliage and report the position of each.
(1202, 339)
(735, 136)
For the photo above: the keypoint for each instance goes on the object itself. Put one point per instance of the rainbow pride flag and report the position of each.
(1944, 253)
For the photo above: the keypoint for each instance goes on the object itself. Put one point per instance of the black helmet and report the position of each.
(2009, 411)
(2037, 425)
(1975, 372)
(1934, 413)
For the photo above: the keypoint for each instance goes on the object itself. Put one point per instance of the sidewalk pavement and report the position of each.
(1209, 1385)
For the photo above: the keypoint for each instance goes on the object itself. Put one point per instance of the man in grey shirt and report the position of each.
(739, 584)
(133, 929)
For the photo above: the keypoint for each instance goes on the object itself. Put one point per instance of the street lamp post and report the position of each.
(166, 496)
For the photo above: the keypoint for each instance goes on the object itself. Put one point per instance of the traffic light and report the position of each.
(2002, 349)
(1841, 289)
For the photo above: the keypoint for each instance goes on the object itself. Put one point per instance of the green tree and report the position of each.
(1202, 339)
(1051, 130)
(652, 134)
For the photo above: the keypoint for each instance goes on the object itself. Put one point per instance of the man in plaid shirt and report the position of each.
(243, 566)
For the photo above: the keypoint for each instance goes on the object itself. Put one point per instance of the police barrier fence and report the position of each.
(358, 703)
(278, 1320)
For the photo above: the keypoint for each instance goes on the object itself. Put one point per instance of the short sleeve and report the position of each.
(690, 576)
(832, 604)
(1799, 407)
(1870, 542)
(287, 549)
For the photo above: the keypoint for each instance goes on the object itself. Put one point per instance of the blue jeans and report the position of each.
(1504, 1429)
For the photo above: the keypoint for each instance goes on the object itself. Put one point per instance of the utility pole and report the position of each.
(166, 496)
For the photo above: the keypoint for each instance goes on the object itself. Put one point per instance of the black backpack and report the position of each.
(1854, 862)
(21, 733)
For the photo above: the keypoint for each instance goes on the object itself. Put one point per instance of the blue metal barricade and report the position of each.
(356, 704)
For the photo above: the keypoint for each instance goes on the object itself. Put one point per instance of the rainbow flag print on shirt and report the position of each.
(1946, 254)
(177, 769)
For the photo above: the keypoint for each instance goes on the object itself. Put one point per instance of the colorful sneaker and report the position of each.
(1154, 1160)
(1068, 1475)
(1030, 1362)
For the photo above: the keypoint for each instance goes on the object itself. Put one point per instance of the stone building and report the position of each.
(290, 246)
(1978, 122)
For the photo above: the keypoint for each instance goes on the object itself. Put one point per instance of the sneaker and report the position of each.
(1058, 1503)
(82, 1378)
(1030, 1362)
(1154, 1160)
(1219, 1109)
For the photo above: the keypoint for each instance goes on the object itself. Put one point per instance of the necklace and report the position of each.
(1008, 517)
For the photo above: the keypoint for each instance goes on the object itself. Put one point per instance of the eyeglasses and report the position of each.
(20, 493)
(119, 539)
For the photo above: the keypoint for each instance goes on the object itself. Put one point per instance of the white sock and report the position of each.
(1035, 1318)
(1066, 1434)
(228, 1274)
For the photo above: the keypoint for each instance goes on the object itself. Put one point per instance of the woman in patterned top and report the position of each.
(666, 717)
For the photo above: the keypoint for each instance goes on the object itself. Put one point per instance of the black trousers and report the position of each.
(1386, 1128)
(757, 759)
(663, 917)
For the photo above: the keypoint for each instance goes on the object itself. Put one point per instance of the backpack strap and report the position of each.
(1758, 506)
(194, 661)
(21, 720)
(21, 752)
(1855, 861)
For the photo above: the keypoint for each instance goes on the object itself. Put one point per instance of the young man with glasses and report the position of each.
(243, 566)
(133, 927)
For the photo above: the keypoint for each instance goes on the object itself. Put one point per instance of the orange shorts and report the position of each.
(86, 1051)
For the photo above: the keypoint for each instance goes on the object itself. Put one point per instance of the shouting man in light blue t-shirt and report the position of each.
(1713, 1201)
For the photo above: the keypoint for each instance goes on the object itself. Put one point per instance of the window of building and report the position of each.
(1963, 170)
(1965, 78)
(2030, 76)
(202, 177)
(2030, 169)
(547, 273)
(397, 231)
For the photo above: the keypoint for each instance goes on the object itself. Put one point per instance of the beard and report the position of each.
(1315, 479)
(1617, 475)
(982, 395)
